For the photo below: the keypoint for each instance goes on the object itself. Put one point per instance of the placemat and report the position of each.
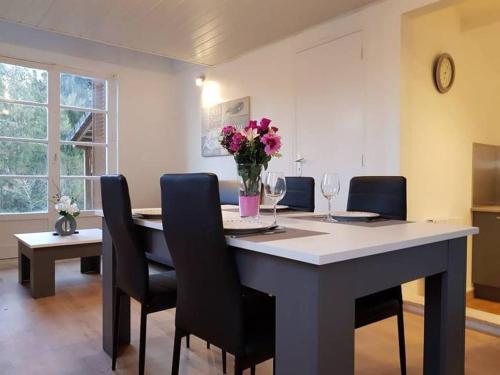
(261, 212)
(289, 233)
(373, 223)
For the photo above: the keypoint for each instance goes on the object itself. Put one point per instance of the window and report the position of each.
(23, 139)
(83, 138)
(54, 136)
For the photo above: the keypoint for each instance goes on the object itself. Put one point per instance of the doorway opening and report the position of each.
(440, 132)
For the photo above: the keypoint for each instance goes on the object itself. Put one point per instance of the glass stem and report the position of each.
(275, 218)
(330, 209)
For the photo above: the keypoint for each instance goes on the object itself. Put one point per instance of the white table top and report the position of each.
(342, 241)
(47, 239)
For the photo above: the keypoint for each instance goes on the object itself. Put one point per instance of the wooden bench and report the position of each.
(38, 252)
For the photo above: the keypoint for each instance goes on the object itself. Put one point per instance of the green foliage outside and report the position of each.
(25, 121)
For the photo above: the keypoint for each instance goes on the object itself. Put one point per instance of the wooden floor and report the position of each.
(482, 304)
(62, 335)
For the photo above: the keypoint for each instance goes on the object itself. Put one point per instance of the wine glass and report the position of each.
(275, 189)
(330, 188)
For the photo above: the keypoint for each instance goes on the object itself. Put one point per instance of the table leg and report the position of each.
(314, 323)
(90, 264)
(23, 266)
(444, 347)
(108, 297)
(42, 275)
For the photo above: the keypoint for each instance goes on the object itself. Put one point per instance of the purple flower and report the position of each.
(272, 143)
(264, 123)
(252, 124)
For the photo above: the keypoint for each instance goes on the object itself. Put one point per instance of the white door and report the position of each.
(329, 84)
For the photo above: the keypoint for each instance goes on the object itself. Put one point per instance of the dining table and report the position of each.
(316, 270)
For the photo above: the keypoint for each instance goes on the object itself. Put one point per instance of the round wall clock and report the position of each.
(444, 73)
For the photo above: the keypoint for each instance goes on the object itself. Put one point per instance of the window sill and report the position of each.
(38, 216)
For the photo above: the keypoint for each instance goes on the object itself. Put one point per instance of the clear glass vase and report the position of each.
(250, 189)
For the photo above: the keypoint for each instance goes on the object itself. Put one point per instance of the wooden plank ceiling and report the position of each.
(199, 31)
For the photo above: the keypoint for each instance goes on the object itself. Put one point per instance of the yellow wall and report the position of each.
(437, 131)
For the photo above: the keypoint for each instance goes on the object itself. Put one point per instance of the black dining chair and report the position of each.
(229, 192)
(385, 195)
(211, 302)
(299, 194)
(155, 292)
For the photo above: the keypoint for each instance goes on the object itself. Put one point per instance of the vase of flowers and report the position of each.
(68, 210)
(249, 176)
(252, 148)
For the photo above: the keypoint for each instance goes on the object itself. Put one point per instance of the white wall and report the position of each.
(147, 135)
(159, 106)
(266, 75)
(438, 130)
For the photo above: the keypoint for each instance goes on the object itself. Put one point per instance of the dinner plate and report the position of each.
(354, 215)
(147, 213)
(269, 207)
(245, 226)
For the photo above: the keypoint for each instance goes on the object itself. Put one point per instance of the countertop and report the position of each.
(490, 208)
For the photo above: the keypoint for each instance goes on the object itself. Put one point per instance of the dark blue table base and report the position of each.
(315, 304)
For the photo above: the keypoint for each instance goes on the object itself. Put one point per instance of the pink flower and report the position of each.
(236, 143)
(272, 143)
(251, 125)
(228, 129)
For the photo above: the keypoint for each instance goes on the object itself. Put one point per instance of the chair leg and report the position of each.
(177, 352)
(116, 322)
(224, 362)
(238, 368)
(142, 343)
(252, 370)
(401, 336)
(188, 341)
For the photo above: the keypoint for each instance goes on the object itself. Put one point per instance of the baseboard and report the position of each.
(8, 251)
(476, 320)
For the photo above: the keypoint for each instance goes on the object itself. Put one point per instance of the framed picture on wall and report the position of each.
(214, 118)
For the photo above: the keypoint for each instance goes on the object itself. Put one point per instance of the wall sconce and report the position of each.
(210, 94)
(199, 81)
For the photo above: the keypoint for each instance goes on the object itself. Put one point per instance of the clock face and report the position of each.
(444, 73)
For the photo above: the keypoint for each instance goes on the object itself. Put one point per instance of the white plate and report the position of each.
(147, 213)
(269, 207)
(245, 226)
(354, 215)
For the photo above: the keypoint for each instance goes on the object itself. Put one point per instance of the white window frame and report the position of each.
(53, 141)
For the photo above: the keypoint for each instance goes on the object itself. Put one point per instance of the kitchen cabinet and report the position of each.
(486, 253)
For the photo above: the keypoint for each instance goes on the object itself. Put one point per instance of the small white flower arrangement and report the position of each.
(66, 206)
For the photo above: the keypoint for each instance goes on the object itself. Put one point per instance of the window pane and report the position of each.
(80, 126)
(23, 195)
(20, 83)
(23, 121)
(84, 92)
(83, 160)
(23, 158)
(87, 193)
